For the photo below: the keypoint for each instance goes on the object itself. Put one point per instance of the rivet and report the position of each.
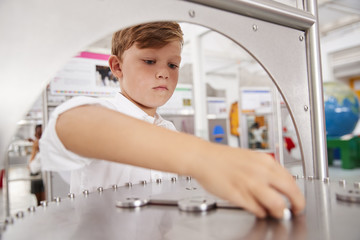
(19, 214)
(301, 38)
(143, 182)
(100, 189)
(9, 220)
(306, 108)
(86, 192)
(342, 182)
(44, 203)
(191, 13)
(188, 178)
(71, 195)
(326, 180)
(173, 179)
(32, 209)
(255, 27)
(310, 178)
(158, 180)
(115, 186)
(357, 185)
(57, 199)
(128, 184)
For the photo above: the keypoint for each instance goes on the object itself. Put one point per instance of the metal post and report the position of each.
(201, 122)
(316, 96)
(46, 174)
(6, 189)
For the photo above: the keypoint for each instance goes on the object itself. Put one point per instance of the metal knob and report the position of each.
(196, 204)
(131, 202)
(71, 195)
(32, 209)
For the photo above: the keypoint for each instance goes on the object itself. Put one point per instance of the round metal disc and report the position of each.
(132, 202)
(349, 195)
(196, 204)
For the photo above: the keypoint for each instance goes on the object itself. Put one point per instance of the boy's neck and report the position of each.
(149, 111)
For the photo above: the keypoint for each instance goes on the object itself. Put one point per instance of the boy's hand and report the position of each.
(251, 180)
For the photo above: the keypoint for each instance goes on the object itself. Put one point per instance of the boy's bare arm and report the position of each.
(246, 178)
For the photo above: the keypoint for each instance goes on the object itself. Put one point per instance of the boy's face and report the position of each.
(148, 76)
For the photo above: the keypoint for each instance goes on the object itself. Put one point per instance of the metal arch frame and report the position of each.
(306, 21)
(28, 44)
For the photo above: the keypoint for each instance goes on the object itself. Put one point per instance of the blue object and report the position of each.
(341, 109)
(218, 133)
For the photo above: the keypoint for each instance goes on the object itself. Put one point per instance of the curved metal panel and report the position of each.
(38, 42)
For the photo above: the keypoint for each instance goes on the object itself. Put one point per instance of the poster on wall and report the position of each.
(85, 74)
(180, 103)
(256, 100)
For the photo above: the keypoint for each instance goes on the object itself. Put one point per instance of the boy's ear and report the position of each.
(115, 66)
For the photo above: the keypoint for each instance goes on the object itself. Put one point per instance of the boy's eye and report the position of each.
(149, 62)
(173, 66)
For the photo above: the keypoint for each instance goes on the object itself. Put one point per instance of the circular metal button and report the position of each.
(349, 196)
(131, 202)
(196, 204)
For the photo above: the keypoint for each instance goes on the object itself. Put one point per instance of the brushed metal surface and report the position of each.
(95, 216)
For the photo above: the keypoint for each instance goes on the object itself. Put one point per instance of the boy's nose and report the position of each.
(162, 73)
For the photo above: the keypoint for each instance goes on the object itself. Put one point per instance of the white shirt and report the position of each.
(89, 174)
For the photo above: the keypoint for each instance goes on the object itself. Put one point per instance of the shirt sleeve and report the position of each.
(53, 154)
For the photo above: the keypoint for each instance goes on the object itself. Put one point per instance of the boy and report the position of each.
(145, 59)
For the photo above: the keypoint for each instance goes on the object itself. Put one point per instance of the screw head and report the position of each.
(128, 184)
(173, 179)
(301, 38)
(115, 186)
(192, 13)
(86, 192)
(326, 180)
(255, 27)
(100, 189)
(57, 199)
(158, 180)
(143, 182)
(306, 108)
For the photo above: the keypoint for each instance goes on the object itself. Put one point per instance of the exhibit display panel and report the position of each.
(288, 53)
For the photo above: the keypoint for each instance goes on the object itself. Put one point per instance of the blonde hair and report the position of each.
(148, 35)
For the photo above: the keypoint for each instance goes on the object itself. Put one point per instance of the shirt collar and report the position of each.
(130, 108)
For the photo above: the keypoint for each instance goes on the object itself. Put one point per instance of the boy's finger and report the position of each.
(248, 202)
(285, 184)
(271, 200)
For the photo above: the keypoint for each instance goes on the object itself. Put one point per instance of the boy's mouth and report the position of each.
(162, 87)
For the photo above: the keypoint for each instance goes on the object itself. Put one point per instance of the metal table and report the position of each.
(96, 215)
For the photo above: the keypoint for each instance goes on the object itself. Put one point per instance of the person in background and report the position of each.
(123, 139)
(37, 185)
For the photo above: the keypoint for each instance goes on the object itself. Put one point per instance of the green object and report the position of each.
(349, 151)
